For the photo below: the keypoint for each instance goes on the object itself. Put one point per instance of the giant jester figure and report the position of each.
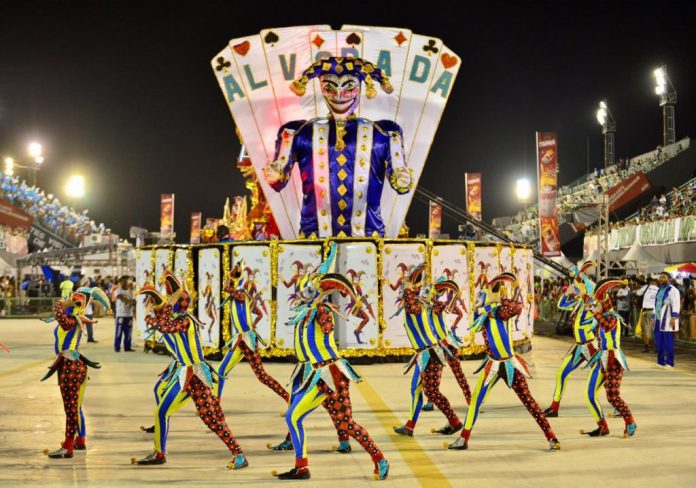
(328, 380)
(584, 323)
(71, 365)
(493, 315)
(343, 159)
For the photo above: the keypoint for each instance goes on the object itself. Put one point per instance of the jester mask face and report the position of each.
(342, 94)
(308, 289)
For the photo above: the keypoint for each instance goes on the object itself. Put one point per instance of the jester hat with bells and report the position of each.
(315, 286)
(235, 277)
(601, 294)
(444, 286)
(364, 70)
(81, 298)
(580, 279)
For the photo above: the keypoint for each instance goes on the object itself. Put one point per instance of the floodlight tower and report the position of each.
(668, 100)
(606, 120)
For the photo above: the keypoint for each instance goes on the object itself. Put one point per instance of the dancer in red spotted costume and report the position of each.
(609, 363)
(192, 378)
(492, 318)
(71, 365)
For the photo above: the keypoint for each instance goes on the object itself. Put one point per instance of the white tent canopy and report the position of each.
(642, 259)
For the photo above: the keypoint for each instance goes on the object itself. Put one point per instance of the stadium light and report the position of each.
(664, 89)
(35, 150)
(523, 189)
(9, 166)
(76, 186)
(606, 120)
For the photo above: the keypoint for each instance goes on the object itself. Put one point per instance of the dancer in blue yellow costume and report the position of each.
(579, 291)
(493, 318)
(330, 375)
(245, 340)
(71, 365)
(161, 383)
(609, 363)
(343, 159)
(191, 376)
(429, 338)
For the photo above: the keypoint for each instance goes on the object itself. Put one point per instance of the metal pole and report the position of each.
(668, 125)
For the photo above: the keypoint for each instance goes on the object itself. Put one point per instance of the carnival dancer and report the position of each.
(667, 308)
(71, 365)
(584, 323)
(445, 295)
(330, 375)
(609, 363)
(493, 315)
(191, 378)
(428, 361)
(245, 341)
(343, 159)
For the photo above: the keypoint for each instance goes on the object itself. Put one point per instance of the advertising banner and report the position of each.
(166, 215)
(628, 190)
(435, 220)
(473, 194)
(195, 227)
(547, 178)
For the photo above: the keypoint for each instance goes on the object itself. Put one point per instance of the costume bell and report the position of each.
(343, 159)
(493, 318)
(190, 377)
(609, 363)
(71, 365)
(584, 323)
(327, 379)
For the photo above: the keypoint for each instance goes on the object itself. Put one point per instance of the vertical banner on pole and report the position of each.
(435, 221)
(166, 215)
(473, 194)
(547, 171)
(195, 227)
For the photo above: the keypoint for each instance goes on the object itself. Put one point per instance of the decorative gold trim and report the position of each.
(278, 349)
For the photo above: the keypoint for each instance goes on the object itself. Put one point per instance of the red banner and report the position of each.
(547, 180)
(167, 215)
(628, 190)
(473, 194)
(12, 216)
(435, 221)
(196, 218)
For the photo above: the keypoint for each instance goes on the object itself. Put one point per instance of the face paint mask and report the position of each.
(341, 93)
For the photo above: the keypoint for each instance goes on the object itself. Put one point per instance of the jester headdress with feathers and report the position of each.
(364, 70)
(580, 278)
(314, 287)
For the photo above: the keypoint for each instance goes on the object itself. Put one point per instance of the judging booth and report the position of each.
(375, 266)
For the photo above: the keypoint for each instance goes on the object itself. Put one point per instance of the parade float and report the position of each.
(316, 177)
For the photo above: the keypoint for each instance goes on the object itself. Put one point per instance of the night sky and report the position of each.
(123, 92)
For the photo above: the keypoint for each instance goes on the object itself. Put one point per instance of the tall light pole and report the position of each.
(606, 120)
(668, 100)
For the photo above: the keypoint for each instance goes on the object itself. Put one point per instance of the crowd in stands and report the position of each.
(679, 202)
(48, 210)
(524, 225)
(628, 302)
